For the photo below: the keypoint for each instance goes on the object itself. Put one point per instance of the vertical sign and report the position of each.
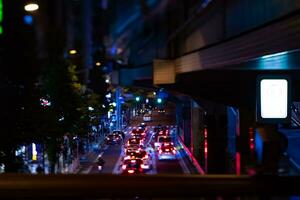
(273, 102)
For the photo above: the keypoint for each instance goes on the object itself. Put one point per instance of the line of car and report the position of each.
(136, 159)
(164, 144)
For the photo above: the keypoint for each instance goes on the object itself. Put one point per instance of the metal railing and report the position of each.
(14, 186)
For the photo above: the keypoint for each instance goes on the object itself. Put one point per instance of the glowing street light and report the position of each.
(137, 98)
(72, 51)
(31, 7)
(98, 64)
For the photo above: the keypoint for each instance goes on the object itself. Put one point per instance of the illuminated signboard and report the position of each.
(273, 99)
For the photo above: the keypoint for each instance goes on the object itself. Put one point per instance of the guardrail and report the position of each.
(13, 186)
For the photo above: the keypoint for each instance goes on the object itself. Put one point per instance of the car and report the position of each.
(113, 138)
(147, 118)
(138, 153)
(119, 132)
(139, 133)
(162, 139)
(132, 166)
(167, 151)
(163, 132)
(144, 126)
(144, 156)
(134, 141)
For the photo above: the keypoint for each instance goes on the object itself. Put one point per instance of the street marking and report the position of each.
(118, 164)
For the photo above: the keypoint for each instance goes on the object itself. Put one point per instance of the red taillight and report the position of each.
(174, 151)
(123, 167)
(130, 171)
(146, 156)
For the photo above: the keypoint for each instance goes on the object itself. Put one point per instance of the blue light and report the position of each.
(113, 50)
(137, 98)
(159, 100)
(28, 19)
(274, 55)
(277, 61)
(258, 146)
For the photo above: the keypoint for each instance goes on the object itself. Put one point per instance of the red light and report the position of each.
(130, 171)
(123, 167)
(251, 138)
(238, 163)
(205, 132)
(205, 147)
(160, 151)
(174, 151)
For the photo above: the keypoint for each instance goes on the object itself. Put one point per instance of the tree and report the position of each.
(18, 77)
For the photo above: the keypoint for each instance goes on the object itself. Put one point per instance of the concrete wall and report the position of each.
(197, 132)
(253, 13)
(224, 19)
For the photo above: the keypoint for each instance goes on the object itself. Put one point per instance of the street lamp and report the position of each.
(31, 7)
(72, 51)
(137, 99)
(98, 64)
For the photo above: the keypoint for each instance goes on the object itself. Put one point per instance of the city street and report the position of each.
(113, 154)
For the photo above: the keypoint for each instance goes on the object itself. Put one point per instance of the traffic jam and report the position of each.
(143, 146)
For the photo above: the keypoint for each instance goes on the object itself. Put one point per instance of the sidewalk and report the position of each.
(90, 156)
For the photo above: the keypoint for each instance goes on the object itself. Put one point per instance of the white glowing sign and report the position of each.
(274, 98)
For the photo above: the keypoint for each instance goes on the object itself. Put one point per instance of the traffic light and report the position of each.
(159, 100)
